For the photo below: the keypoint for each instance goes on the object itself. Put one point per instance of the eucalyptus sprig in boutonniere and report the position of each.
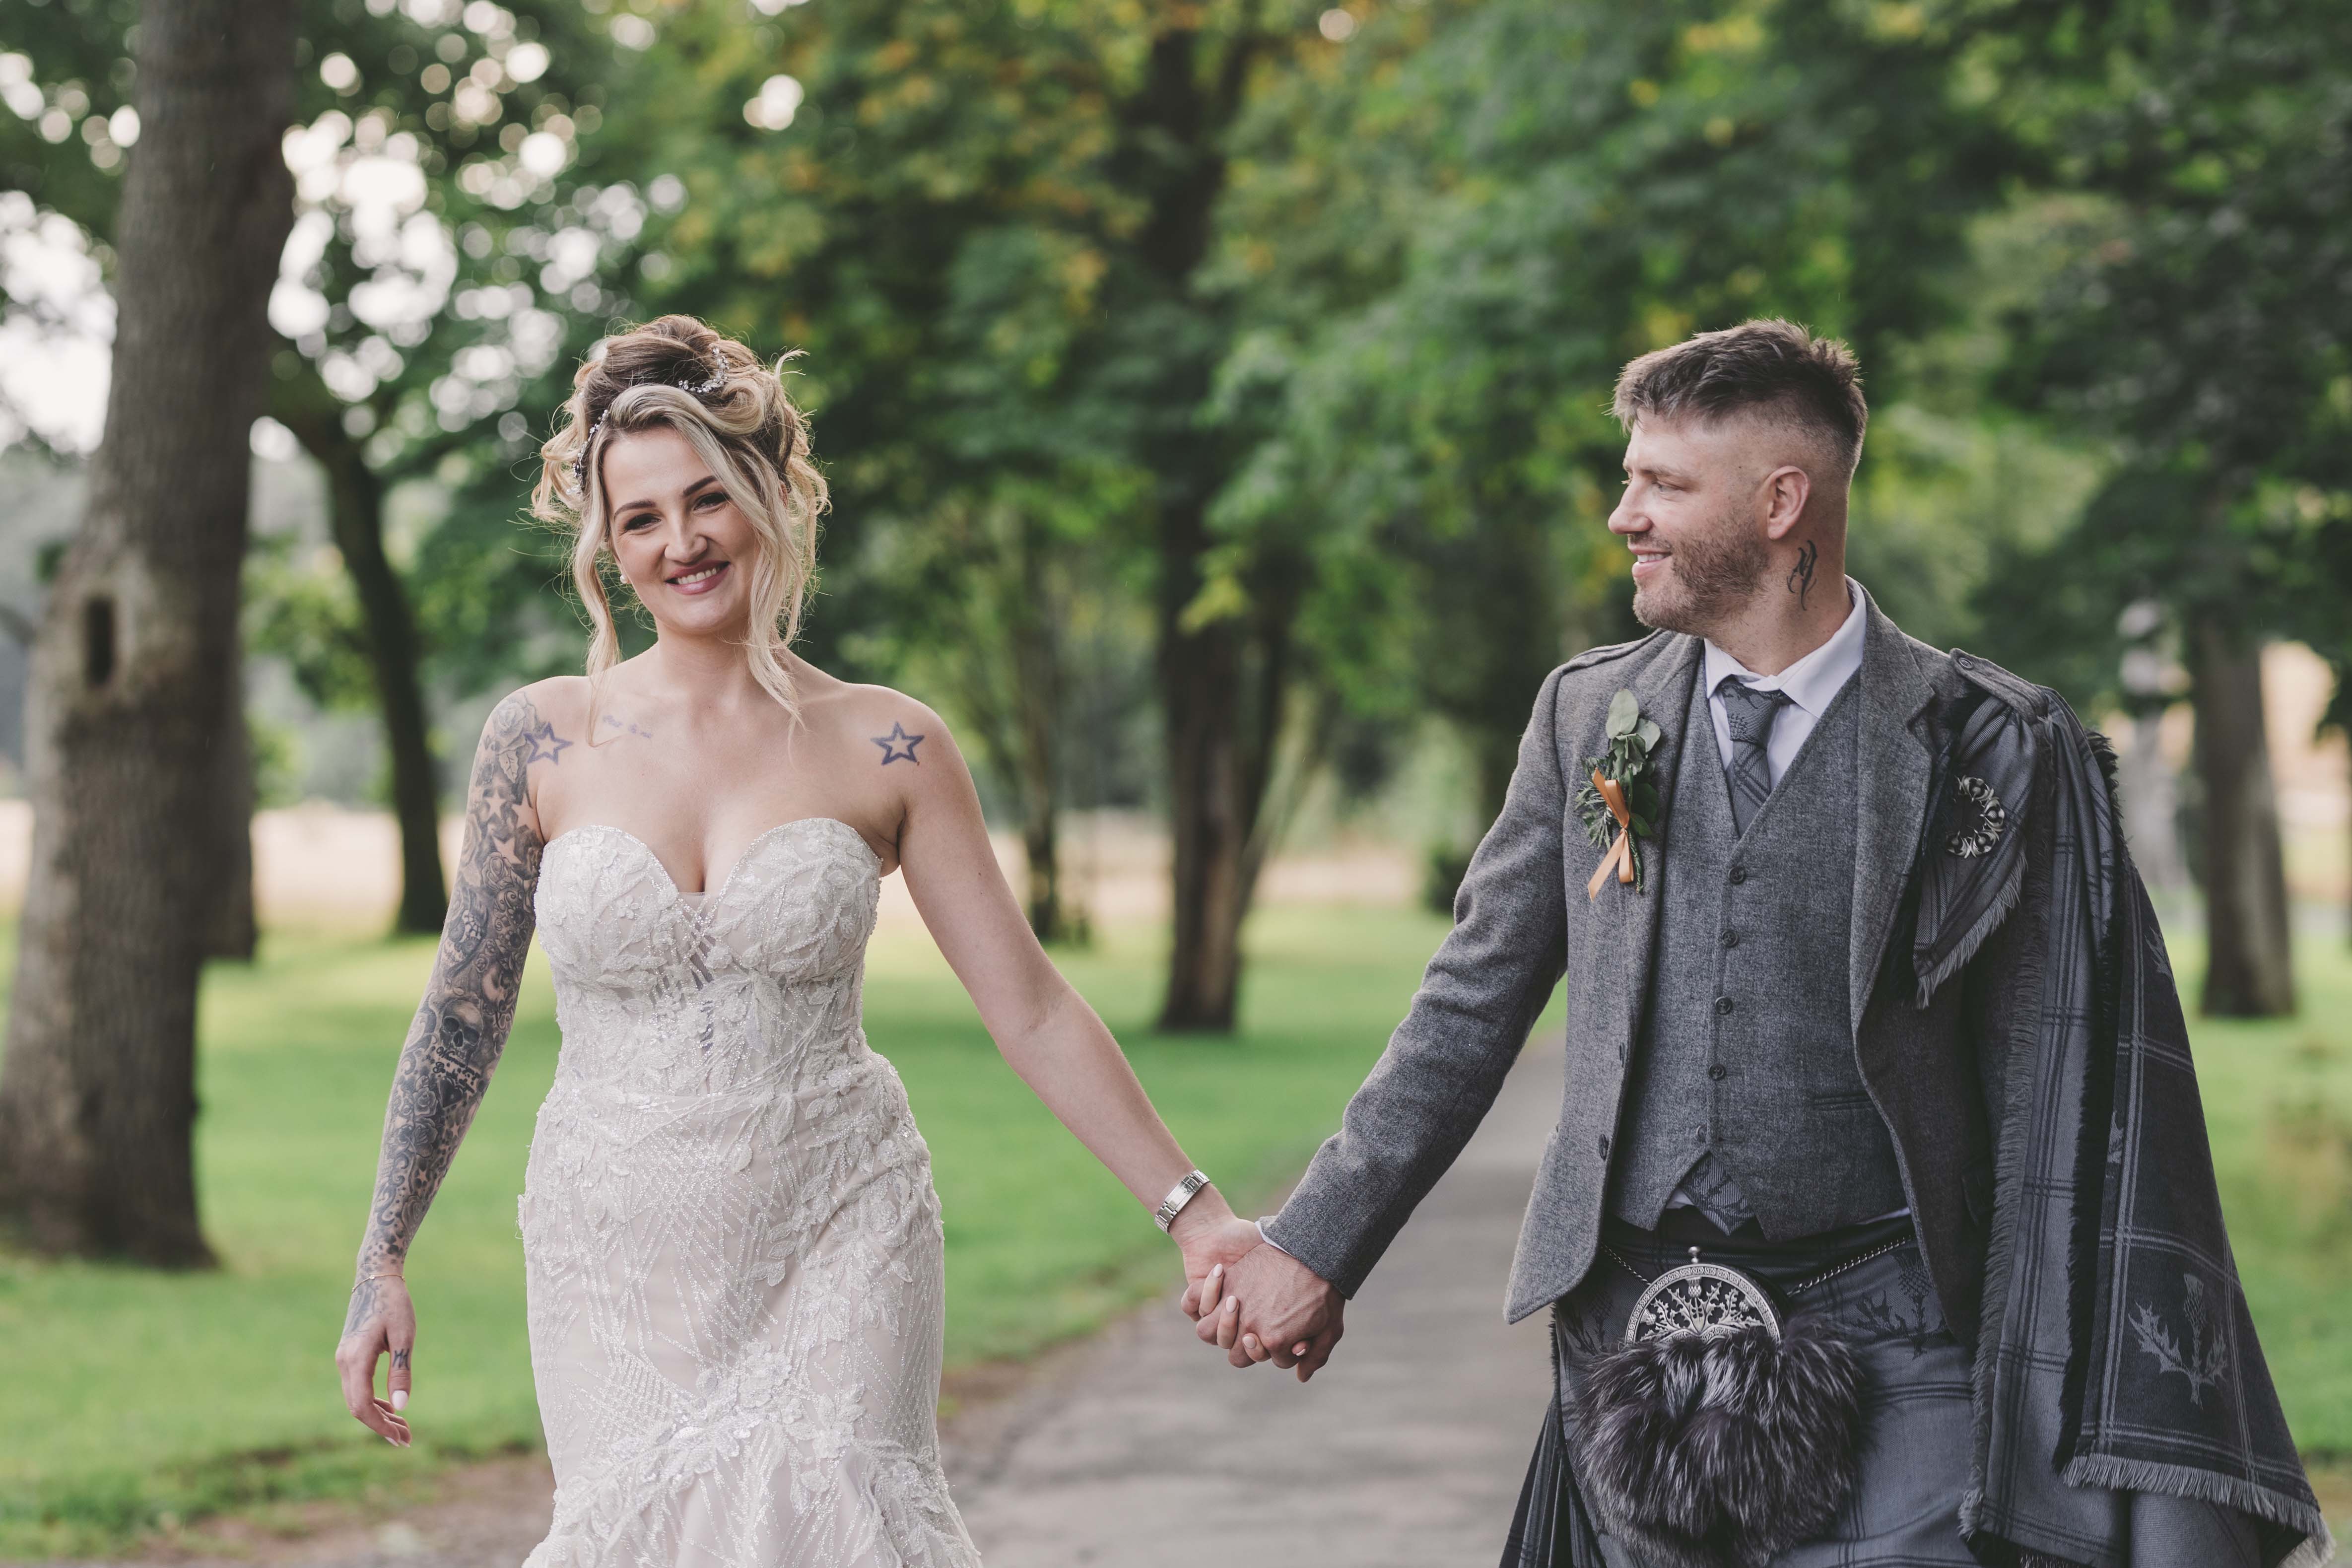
(1621, 798)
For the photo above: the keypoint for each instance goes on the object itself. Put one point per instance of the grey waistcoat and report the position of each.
(1745, 1051)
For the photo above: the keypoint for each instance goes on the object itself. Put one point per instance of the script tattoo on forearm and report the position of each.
(469, 1003)
(1800, 575)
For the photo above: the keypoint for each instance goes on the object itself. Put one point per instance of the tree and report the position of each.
(438, 148)
(1066, 166)
(1459, 243)
(2201, 325)
(73, 118)
(129, 703)
(438, 151)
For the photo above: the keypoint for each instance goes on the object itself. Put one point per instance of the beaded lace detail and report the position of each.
(731, 1242)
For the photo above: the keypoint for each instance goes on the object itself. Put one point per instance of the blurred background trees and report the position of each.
(1214, 397)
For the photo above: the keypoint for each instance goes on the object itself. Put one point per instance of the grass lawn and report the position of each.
(136, 1400)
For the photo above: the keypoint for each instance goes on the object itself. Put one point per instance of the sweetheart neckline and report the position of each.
(709, 895)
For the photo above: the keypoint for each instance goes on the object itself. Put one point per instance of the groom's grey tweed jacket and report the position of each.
(1522, 920)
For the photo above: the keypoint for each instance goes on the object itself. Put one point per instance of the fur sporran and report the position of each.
(1720, 1450)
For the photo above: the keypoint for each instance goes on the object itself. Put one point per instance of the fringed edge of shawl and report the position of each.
(2204, 1486)
(2009, 1188)
(2091, 1199)
(1978, 934)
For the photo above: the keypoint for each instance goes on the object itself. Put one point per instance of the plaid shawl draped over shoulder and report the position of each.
(2116, 1357)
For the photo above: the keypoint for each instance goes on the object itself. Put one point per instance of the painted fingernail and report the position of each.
(400, 1399)
(1218, 1272)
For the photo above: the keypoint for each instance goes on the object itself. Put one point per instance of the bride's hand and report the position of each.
(382, 1323)
(1212, 1239)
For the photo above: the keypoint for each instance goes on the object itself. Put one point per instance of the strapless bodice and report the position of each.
(761, 976)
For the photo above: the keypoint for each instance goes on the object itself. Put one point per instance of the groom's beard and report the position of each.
(1710, 575)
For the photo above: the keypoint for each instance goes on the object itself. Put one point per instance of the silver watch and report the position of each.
(1178, 1196)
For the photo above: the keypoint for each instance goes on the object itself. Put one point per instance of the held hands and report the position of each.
(1294, 1318)
(382, 1323)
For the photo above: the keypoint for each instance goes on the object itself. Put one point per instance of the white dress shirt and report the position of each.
(1811, 684)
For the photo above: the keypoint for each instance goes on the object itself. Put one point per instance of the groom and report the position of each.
(1866, 1013)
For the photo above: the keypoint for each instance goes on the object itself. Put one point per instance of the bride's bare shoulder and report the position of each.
(560, 703)
(875, 726)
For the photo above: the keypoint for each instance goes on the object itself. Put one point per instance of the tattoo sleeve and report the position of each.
(469, 1003)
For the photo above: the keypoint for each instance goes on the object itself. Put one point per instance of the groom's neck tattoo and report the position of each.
(461, 1025)
(1800, 575)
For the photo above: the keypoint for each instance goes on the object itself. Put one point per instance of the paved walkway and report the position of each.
(1145, 1450)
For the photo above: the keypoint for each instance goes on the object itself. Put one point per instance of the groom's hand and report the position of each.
(1273, 1308)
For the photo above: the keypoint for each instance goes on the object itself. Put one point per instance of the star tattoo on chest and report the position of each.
(899, 746)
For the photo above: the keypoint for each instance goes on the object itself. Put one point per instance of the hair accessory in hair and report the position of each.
(698, 389)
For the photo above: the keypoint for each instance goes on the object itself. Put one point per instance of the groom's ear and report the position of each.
(1785, 493)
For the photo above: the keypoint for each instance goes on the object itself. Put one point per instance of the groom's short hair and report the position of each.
(1770, 367)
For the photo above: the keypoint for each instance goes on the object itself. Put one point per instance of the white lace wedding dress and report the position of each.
(730, 1234)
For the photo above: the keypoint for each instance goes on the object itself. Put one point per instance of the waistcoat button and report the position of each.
(1604, 1145)
(1723, 1004)
(1719, 1072)
(1731, 939)
(1738, 874)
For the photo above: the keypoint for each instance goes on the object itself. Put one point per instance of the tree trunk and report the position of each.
(1199, 689)
(127, 704)
(230, 930)
(2250, 970)
(1035, 627)
(355, 516)
(1178, 122)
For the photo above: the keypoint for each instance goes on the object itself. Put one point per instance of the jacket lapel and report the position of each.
(1892, 792)
(1664, 691)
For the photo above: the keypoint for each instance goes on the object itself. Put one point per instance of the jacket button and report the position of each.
(1731, 939)
(1723, 1005)
(1738, 874)
(1719, 1072)
(1604, 1145)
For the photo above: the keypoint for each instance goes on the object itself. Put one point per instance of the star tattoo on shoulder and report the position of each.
(544, 742)
(891, 745)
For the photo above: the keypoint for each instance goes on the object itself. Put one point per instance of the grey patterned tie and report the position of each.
(1751, 712)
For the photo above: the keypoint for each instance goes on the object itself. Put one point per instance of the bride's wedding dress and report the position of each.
(732, 1241)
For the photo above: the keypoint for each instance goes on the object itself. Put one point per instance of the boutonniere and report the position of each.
(1621, 797)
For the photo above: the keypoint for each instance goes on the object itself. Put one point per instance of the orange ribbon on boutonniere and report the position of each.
(1620, 857)
(1620, 805)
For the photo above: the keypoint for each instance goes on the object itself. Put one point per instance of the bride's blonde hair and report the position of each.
(731, 407)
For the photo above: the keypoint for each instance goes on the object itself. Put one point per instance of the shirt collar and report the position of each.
(1814, 679)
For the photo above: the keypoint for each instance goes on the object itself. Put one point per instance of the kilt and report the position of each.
(1916, 1413)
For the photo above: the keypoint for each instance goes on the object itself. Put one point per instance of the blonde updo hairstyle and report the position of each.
(677, 372)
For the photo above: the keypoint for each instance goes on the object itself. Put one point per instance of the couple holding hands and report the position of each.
(1856, 1240)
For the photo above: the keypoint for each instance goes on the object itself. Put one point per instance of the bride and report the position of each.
(730, 1241)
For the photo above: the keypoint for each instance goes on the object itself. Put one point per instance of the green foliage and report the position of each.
(2198, 321)
(1449, 251)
